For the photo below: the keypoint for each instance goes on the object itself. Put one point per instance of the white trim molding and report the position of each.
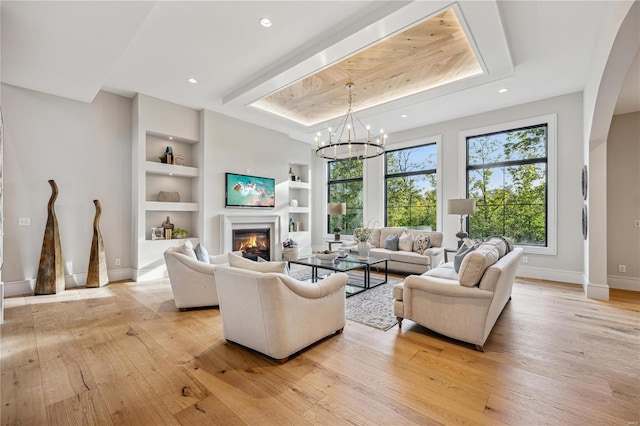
(572, 277)
(623, 283)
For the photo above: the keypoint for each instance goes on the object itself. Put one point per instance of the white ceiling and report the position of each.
(536, 49)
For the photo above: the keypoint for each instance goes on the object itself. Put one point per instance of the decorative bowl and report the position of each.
(327, 257)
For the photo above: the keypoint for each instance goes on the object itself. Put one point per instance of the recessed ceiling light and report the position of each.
(503, 90)
(192, 80)
(265, 22)
(404, 116)
(170, 138)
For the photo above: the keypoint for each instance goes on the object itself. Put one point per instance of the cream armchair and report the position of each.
(192, 282)
(277, 315)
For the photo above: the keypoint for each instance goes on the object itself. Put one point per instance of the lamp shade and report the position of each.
(337, 208)
(461, 206)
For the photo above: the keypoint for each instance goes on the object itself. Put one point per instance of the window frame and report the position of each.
(551, 161)
(328, 229)
(386, 176)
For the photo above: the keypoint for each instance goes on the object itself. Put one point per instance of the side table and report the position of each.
(332, 242)
(446, 253)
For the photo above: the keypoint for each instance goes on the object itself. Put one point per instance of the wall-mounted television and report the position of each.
(249, 191)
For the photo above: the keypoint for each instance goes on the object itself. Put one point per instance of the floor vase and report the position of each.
(97, 275)
(50, 278)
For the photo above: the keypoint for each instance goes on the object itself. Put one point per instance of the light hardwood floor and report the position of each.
(123, 354)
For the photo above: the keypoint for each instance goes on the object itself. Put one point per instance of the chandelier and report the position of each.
(349, 143)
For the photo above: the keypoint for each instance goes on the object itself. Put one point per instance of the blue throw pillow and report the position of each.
(391, 243)
(457, 260)
(202, 254)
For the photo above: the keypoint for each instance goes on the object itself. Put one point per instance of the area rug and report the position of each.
(372, 307)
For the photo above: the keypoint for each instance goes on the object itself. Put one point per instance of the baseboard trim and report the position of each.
(597, 291)
(623, 283)
(26, 287)
(149, 274)
(551, 274)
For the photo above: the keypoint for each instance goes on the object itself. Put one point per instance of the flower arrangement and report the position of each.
(362, 234)
(179, 233)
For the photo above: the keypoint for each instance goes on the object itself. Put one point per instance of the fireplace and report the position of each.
(253, 243)
(229, 223)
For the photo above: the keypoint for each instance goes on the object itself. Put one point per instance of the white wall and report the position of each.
(567, 264)
(86, 149)
(235, 146)
(623, 201)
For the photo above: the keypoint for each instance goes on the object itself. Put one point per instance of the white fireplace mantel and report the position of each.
(229, 222)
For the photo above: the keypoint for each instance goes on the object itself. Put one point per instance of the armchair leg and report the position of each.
(340, 331)
(282, 360)
(399, 321)
(479, 348)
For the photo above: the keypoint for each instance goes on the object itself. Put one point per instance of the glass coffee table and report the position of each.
(345, 264)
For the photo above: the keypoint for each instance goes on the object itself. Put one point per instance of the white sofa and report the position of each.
(275, 314)
(192, 282)
(408, 262)
(439, 301)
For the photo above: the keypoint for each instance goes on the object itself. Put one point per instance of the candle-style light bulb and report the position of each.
(368, 134)
(349, 132)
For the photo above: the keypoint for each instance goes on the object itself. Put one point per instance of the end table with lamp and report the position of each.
(337, 209)
(463, 207)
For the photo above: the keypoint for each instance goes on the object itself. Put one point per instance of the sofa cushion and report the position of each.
(445, 271)
(504, 245)
(391, 242)
(410, 257)
(201, 253)
(385, 232)
(476, 263)
(460, 255)
(421, 243)
(187, 250)
(405, 242)
(242, 263)
(375, 237)
(434, 236)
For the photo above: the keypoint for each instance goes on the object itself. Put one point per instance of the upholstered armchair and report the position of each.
(277, 315)
(192, 282)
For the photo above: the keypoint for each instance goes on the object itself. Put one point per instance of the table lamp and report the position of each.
(461, 206)
(337, 209)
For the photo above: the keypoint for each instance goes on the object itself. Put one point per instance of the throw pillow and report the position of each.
(476, 263)
(405, 242)
(391, 243)
(187, 250)
(242, 263)
(201, 253)
(457, 260)
(421, 243)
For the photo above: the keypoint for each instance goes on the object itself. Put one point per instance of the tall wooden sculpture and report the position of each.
(51, 270)
(97, 275)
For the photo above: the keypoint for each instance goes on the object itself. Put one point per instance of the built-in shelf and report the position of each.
(299, 185)
(299, 210)
(171, 206)
(156, 168)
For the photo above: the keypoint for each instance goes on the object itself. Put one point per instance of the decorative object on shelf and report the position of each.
(363, 235)
(169, 196)
(50, 278)
(585, 227)
(179, 233)
(168, 228)
(289, 249)
(585, 182)
(292, 224)
(178, 160)
(337, 209)
(97, 274)
(463, 207)
(297, 226)
(293, 203)
(292, 176)
(167, 157)
(157, 233)
(348, 143)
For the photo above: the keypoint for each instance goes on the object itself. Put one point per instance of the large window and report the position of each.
(345, 186)
(410, 187)
(507, 174)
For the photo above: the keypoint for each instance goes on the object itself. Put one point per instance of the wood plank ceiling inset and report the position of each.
(430, 54)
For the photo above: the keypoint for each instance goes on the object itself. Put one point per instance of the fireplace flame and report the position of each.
(252, 244)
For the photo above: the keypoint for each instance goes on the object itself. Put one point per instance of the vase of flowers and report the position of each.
(363, 235)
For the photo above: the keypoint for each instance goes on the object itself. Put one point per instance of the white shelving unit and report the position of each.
(300, 191)
(157, 125)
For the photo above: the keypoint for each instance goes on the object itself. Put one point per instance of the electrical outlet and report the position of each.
(24, 221)
(622, 268)
(636, 223)
(525, 259)
(117, 261)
